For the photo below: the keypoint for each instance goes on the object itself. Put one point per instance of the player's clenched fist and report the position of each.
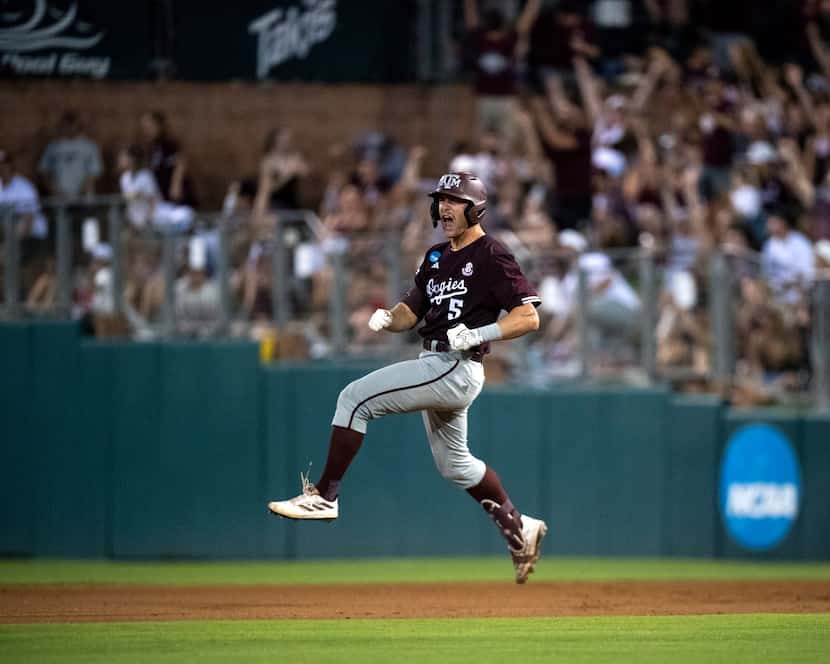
(463, 338)
(380, 320)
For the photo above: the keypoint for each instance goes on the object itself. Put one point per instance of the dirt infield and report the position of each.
(101, 603)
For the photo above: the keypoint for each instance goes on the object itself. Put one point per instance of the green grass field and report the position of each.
(746, 638)
(397, 570)
(721, 638)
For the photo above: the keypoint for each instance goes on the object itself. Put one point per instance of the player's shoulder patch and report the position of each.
(436, 251)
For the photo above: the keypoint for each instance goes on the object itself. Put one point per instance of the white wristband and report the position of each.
(490, 332)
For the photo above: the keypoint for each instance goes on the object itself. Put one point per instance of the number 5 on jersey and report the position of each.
(456, 305)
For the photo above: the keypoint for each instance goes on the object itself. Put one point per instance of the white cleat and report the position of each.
(533, 532)
(308, 505)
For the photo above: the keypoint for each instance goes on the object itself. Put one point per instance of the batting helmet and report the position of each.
(464, 187)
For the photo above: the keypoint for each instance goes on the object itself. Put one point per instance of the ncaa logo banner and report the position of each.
(760, 487)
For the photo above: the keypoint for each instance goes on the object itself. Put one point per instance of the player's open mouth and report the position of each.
(447, 219)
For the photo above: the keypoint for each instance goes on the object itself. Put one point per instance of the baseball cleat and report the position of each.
(308, 505)
(533, 532)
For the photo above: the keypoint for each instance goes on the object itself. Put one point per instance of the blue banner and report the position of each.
(760, 487)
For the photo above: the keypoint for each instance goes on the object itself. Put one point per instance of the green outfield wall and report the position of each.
(173, 450)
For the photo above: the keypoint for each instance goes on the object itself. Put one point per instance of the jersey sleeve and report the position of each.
(510, 287)
(415, 298)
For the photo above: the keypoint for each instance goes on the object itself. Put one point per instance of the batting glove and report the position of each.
(463, 338)
(380, 320)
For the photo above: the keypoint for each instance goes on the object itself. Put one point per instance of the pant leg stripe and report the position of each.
(398, 389)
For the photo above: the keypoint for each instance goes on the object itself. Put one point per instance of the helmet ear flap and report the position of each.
(433, 211)
(474, 213)
(470, 214)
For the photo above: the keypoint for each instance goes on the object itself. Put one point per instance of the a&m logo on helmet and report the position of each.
(449, 181)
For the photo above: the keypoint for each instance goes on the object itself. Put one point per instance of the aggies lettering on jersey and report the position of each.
(470, 286)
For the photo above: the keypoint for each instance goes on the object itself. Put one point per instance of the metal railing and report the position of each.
(697, 337)
(276, 244)
(624, 317)
(820, 342)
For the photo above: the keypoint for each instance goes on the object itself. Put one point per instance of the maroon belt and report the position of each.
(437, 346)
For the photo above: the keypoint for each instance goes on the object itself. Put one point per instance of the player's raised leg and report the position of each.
(447, 431)
(523, 533)
(399, 388)
(319, 502)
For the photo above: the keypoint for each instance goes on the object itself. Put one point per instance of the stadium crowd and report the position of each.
(607, 131)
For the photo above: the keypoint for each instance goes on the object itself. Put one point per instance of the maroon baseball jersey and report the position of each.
(469, 286)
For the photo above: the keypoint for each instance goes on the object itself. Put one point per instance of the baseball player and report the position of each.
(460, 288)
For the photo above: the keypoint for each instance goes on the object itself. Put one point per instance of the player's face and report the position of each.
(451, 213)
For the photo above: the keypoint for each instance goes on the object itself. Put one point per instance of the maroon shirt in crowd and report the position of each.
(494, 60)
(470, 286)
(550, 41)
(572, 168)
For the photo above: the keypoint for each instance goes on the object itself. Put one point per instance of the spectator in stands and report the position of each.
(819, 210)
(18, 193)
(167, 161)
(370, 182)
(621, 30)
(559, 34)
(717, 141)
(533, 226)
(240, 199)
(144, 285)
(367, 292)
(788, 260)
(198, 305)
(281, 171)
(817, 31)
(682, 330)
(565, 139)
(71, 164)
(770, 344)
(352, 215)
(492, 48)
(822, 251)
(256, 284)
(558, 342)
(384, 152)
(738, 246)
(103, 297)
(671, 28)
(97, 315)
(746, 203)
(487, 161)
(765, 163)
(138, 186)
(42, 296)
(727, 26)
(145, 206)
(613, 305)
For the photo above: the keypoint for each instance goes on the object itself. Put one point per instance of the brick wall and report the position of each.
(222, 126)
